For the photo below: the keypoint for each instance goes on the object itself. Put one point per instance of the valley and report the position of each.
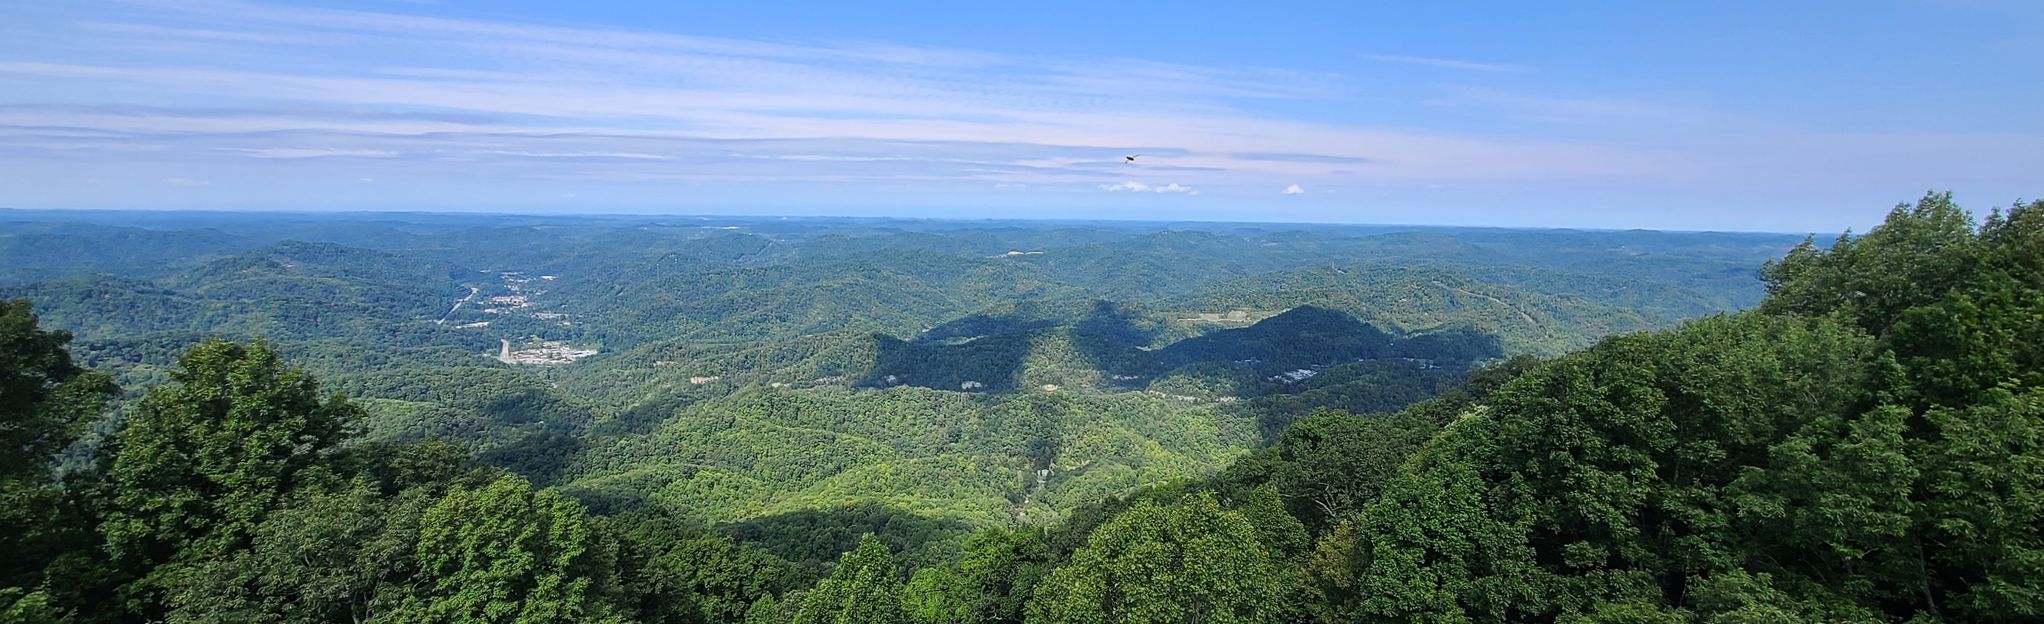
(746, 369)
(629, 312)
(770, 408)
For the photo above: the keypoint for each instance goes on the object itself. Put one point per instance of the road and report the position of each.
(457, 305)
(1500, 302)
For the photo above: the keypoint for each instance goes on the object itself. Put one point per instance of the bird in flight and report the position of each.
(1131, 158)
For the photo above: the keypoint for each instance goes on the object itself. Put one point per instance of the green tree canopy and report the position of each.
(334, 555)
(863, 589)
(1331, 464)
(201, 462)
(679, 573)
(44, 397)
(1190, 561)
(1864, 448)
(991, 581)
(504, 553)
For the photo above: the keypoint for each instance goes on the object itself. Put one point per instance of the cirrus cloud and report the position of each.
(275, 100)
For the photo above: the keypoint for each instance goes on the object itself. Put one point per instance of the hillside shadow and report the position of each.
(1301, 336)
(1311, 338)
(1311, 358)
(814, 539)
(542, 457)
(982, 363)
(1111, 336)
(976, 353)
(1277, 355)
(986, 352)
(984, 325)
(548, 434)
(1459, 346)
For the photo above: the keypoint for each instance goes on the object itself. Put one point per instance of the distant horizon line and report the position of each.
(769, 217)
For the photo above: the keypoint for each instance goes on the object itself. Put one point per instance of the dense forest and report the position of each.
(860, 422)
(740, 370)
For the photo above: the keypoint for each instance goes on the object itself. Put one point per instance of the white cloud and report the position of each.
(1009, 185)
(1293, 190)
(483, 101)
(632, 103)
(1138, 187)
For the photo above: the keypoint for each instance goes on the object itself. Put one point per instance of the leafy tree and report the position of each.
(1865, 449)
(1740, 597)
(1954, 301)
(506, 553)
(1429, 551)
(991, 582)
(1977, 538)
(767, 611)
(43, 395)
(1190, 561)
(862, 590)
(20, 607)
(927, 599)
(432, 465)
(674, 572)
(1618, 475)
(1330, 465)
(1917, 253)
(1483, 380)
(199, 464)
(1279, 532)
(339, 555)
(44, 398)
(1958, 307)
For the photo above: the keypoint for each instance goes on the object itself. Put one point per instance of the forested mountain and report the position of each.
(619, 419)
(671, 320)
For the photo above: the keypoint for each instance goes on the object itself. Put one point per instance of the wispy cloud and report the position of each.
(1293, 190)
(1139, 187)
(253, 94)
(290, 104)
(152, 31)
(309, 152)
(185, 182)
(1568, 108)
(1301, 158)
(1445, 63)
(508, 99)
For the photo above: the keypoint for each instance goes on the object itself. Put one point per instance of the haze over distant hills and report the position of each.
(705, 363)
(789, 421)
(629, 312)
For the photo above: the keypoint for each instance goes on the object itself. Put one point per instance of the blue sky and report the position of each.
(1807, 116)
